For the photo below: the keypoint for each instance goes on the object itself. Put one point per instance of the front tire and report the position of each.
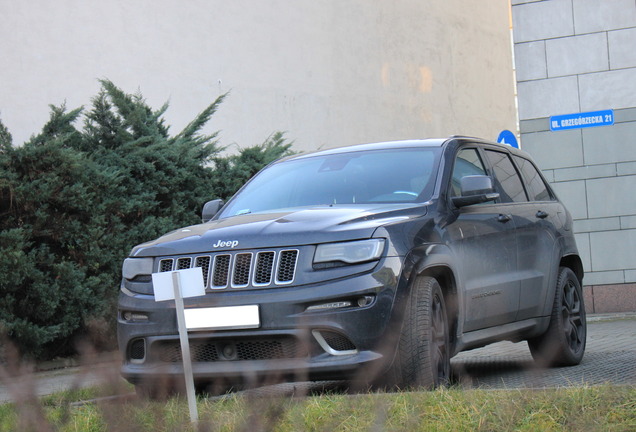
(423, 355)
(563, 343)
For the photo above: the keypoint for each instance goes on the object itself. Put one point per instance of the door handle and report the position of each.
(541, 214)
(503, 218)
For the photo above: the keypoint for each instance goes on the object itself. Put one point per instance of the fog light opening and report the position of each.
(134, 316)
(229, 351)
(365, 301)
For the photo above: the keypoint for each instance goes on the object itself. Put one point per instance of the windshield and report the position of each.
(376, 176)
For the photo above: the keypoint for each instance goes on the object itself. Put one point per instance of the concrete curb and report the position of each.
(611, 316)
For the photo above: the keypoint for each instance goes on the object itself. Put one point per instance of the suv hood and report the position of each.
(294, 227)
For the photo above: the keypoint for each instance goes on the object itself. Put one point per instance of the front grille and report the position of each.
(233, 350)
(239, 270)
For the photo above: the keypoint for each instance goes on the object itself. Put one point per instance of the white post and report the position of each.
(185, 348)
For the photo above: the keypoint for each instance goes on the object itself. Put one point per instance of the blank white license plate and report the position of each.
(215, 318)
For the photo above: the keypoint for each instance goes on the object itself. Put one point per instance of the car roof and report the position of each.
(414, 143)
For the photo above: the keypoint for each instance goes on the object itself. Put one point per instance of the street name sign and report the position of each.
(582, 120)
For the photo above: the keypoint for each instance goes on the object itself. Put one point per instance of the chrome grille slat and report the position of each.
(286, 266)
(264, 268)
(184, 263)
(239, 270)
(221, 271)
(204, 263)
(166, 265)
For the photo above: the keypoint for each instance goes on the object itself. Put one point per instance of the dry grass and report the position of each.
(112, 406)
(603, 408)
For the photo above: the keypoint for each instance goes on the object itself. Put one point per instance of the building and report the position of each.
(573, 57)
(339, 72)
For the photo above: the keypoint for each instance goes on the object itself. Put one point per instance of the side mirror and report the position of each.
(475, 189)
(210, 209)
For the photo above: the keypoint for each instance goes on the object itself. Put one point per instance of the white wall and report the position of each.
(329, 72)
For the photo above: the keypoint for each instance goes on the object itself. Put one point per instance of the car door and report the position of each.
(483, 240)
(534, 214)
(537, 240)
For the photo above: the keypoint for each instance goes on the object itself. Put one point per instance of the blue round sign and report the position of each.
(507, 137)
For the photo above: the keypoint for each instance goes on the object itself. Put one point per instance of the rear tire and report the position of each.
(563, 343)
(423, 355)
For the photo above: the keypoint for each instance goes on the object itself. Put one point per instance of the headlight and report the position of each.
(350, 252)
(136, 266)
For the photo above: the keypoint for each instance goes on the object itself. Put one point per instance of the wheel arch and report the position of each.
(574, 263)
(446, 278)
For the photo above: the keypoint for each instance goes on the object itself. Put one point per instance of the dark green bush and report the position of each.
(73, 201)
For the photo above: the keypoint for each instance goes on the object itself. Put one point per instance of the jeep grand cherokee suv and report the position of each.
(376, 263)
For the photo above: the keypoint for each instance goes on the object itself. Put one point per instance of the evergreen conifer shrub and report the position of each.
(74, 200)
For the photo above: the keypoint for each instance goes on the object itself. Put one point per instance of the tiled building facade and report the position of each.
(579, 56)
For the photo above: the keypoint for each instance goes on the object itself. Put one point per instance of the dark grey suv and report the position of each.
(375, 263)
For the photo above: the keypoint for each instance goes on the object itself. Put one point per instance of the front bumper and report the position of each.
(306, 332)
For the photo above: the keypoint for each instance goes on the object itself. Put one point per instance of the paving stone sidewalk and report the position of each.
(610, 357)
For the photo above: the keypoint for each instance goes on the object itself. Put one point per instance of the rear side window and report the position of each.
(537, 189)
(511, 186)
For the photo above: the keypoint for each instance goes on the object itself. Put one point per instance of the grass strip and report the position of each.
(598, 408)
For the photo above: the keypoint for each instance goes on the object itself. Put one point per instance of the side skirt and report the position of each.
(515, 332)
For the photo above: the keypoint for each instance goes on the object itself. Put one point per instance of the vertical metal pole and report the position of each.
(185, 348)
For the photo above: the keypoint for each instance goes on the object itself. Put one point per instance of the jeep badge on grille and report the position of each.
(229, 243)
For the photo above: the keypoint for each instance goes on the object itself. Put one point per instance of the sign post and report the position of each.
(175, 286)
(185, 348)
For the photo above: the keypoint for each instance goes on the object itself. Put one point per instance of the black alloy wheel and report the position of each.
(563, 343)
(423, 356)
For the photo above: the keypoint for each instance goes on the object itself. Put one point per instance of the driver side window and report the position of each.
(467, 162)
